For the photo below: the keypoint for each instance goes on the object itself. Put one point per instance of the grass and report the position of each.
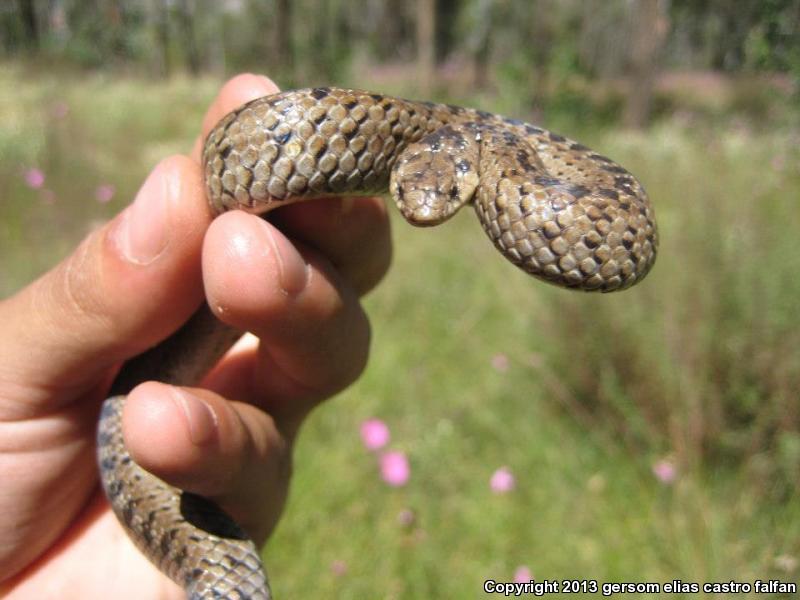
(475, 366)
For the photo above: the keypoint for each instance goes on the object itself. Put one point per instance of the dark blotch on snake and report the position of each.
(207, 515)
(522, 158)
(115, 488)
(545, 181)
(180, 556)
(127, 512)
(147, 535)
(226, 151)
(623, 184)
(578, 191)
(103, 438)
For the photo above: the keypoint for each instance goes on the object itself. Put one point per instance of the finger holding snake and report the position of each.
(119, 293)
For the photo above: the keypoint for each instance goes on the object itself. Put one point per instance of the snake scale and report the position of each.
(551, 206)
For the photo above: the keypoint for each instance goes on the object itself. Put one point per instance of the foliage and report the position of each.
(576, 36)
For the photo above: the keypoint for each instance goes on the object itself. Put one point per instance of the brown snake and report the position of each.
(553, 207)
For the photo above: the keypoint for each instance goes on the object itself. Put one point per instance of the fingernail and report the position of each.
(292, 269)
(141, 234)
(199, 415)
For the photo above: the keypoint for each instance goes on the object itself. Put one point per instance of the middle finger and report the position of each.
(314, 333)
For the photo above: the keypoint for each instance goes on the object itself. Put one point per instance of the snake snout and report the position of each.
(424, 207)
(435, 176)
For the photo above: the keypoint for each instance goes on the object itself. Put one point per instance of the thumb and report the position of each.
(128, 285)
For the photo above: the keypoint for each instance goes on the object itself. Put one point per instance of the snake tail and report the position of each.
(189, 538)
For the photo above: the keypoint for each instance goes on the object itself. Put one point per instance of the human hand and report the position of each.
(129, 285)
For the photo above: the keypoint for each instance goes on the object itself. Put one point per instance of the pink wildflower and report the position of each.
(500, 363)
(34, 178)
(104, 193)
(523, 574)
(339, 568)
(502, 481)
(374, 434)
(665, 471)
(395, 469)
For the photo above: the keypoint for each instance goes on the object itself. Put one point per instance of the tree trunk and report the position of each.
(158, 23)
(426, 44)
(391, 32)
(210, 25)
(30, 26)
(649, 29)
(284, 49)
(541, 31)
(480, 43)
(186, 12)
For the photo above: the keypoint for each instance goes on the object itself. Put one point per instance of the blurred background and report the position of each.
(503, 429)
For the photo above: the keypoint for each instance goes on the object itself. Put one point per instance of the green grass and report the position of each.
(699, 364)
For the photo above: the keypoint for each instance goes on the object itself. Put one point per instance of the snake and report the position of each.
(553, 207)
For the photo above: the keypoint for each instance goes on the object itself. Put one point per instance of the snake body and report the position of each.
(551, 206)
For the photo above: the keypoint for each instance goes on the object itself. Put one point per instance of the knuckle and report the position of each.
(76, 289)
(357, 334)
(374, 270)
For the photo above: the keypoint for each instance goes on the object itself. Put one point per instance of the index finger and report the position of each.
(352, 232)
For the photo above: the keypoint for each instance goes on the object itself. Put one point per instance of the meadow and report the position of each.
(652, 435)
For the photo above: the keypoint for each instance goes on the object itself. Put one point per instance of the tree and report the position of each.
(426, 44)
(30, 26)
(186, 20)
(284, 48)
(649, 29)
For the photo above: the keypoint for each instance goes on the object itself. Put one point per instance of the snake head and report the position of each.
(436, 176)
